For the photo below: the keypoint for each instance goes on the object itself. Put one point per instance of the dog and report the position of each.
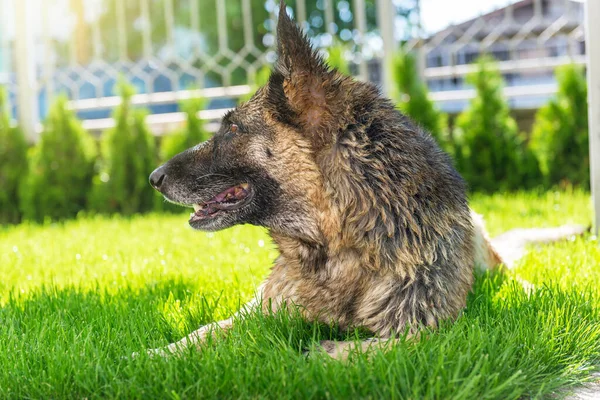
(369, 215)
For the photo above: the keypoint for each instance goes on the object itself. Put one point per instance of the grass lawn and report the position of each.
(75, 298)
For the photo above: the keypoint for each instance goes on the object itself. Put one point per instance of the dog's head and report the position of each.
(261, 166)
(325, 161)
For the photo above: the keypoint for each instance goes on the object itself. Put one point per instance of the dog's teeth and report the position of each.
(197, 207)
(244, 186)
(192, 215)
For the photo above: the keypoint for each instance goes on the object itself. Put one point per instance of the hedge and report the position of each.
(128, 158)
(61, 168)
(560, 132)
(490, 152)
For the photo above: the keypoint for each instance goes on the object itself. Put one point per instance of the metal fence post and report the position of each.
(385, 21)
(592, 44)
(5, 56)
(25, 69)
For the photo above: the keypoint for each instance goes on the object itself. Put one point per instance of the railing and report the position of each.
(164, 48)
(167, 47)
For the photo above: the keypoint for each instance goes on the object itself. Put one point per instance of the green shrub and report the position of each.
(128, 158)
(560, 132)
(61, 168)
(193, 133)
(414, 100)
(262, 76)
(530, 173)
(337, 59)
(489, 151)
(258, 80)
(13, 165)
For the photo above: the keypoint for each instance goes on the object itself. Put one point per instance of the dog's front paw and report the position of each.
(331, 348)
(158, 352)
(336, 350)
(344, 349)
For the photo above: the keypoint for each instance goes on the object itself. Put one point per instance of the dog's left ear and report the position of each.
(302, 77)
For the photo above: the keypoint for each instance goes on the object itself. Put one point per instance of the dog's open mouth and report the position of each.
(231, 199)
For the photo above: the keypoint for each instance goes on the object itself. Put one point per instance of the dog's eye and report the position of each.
(233, 128)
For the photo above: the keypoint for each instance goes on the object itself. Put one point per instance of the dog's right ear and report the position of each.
(295, 54)
(301, 79)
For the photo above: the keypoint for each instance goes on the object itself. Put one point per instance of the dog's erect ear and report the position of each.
(302, 75)
(295, 54)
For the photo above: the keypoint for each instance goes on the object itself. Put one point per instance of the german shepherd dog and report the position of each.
(369, 215)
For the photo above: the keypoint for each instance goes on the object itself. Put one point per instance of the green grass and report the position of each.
(75, 298)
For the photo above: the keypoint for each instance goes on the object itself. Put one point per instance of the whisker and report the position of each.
(212, 174)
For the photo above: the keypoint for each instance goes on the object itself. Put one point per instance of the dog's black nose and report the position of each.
(157, 177)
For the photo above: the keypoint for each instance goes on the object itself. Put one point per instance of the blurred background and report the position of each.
(102, 91)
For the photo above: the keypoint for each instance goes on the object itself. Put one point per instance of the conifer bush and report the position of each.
(13, 165)
(61, 168)
(337, 59)
(128, 158)
(414, 100)
(490, 152)
(560, 132)
(260, 79)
